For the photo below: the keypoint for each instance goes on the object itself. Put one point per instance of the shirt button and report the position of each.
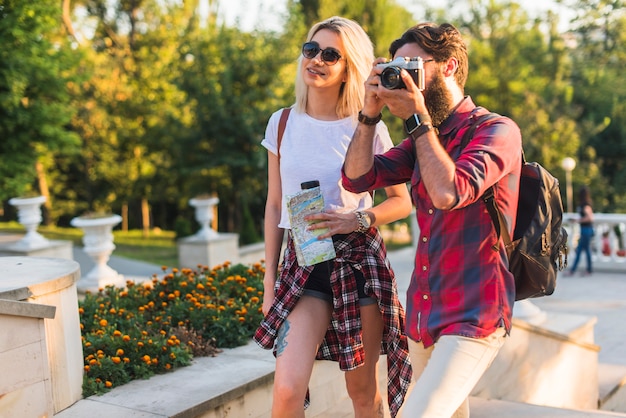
(424, 268)
(430, 211)
(425, 297)
(424, 239)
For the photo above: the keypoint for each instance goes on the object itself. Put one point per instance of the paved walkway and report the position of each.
(602, 295)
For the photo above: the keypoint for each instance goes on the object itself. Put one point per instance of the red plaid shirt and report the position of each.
(460, 284)
(343, 340)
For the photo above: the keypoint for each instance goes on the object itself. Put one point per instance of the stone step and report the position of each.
(490, 408)
(612, 384)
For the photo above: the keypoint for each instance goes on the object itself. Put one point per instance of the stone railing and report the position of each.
(608, 246)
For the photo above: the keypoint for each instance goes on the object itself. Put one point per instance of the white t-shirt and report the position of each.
(314, 149)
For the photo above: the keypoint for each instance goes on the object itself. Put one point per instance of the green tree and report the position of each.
(234, 80)
(600, 57)
(135, 112)
(36, 65)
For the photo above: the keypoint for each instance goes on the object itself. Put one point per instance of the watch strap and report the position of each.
(421, 130)
(369, 121)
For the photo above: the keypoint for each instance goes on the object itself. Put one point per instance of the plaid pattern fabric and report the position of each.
(343, 342)
(460, 285)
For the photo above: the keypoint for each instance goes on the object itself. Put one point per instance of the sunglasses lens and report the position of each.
(330, 56)
(310, 50)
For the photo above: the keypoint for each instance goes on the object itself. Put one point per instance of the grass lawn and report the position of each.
(158, 248)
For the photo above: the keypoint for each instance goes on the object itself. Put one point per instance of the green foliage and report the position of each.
(144, 329)
(36, 66)
(168, 103)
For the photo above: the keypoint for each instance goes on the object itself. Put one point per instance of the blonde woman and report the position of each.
(346, 309)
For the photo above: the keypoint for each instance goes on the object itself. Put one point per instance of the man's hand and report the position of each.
(372, 105)
(403, 102)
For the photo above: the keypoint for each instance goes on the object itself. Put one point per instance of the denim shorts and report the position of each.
(318, 284)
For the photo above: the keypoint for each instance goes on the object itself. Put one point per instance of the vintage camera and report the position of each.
(390, 77)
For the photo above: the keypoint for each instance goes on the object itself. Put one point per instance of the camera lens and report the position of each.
(390, 78)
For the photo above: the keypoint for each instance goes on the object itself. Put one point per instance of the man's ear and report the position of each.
(451, 66)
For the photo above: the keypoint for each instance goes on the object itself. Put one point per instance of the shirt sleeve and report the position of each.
(493, 153)
(390, 168)
(271, 133)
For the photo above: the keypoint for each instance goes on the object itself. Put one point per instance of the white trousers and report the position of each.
(445, 374)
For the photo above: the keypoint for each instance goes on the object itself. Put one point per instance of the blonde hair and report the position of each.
(359, 56)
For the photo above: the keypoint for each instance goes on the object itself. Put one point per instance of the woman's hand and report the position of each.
(268, 294)
(337, 223)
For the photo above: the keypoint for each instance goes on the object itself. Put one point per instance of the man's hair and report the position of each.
(359, 55)
(441, 41)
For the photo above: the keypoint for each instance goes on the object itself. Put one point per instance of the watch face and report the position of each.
(411, 124)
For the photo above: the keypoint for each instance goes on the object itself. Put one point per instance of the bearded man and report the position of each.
(461, 294)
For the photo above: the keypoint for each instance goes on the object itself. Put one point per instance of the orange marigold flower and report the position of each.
(103, 322)
(242, 319)
(116, 360)
(173, 356)
(155, 361)
(86, 368)
(126, 338)
(146, 358)
(81, 311)
(254, 299)
(163, 268)
(112, 311)
(119, 352)
(108, 384)
(139, 344)
(200, 286)
(117, 333)
(87, 344)
(93, 361)
(126, 360)
(168, 366)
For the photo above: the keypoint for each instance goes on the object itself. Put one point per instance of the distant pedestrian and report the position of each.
(586, 229)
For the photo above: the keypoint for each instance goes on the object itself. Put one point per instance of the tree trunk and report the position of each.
(125, 216)
(145, 217)
(45, 191)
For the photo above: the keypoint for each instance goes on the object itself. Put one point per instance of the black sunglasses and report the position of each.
(329, 55)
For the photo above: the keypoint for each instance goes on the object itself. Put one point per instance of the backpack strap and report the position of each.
(282, 123)
(489, 197)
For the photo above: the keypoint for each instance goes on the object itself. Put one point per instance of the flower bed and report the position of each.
(142, 329)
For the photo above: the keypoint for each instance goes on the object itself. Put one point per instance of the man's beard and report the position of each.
(438, 100)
